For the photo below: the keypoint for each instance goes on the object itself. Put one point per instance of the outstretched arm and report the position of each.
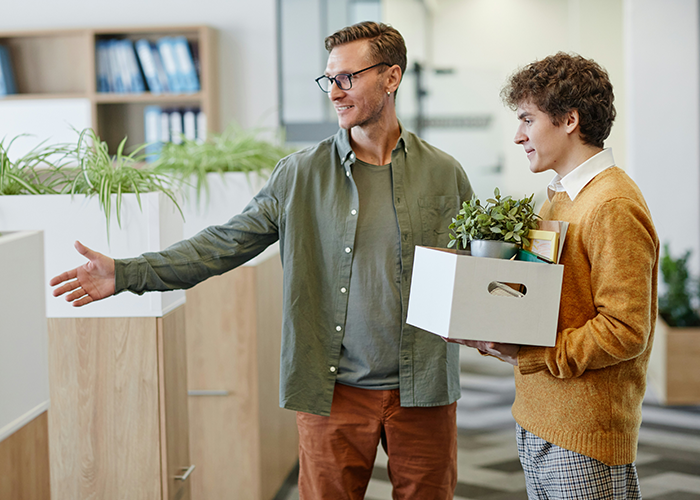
(92, 281)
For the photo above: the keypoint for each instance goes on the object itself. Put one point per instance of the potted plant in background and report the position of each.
(70, 192)
(673, 365)
(220, 175)
(497, 229)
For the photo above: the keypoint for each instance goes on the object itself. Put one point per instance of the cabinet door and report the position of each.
(103, 421)
(175, 444)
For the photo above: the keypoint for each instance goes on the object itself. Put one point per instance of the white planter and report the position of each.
(228, 196)
(65, 219)
(24, 359)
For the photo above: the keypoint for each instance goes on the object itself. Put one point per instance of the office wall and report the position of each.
(495, 37)
(246, 29)
(664, 116)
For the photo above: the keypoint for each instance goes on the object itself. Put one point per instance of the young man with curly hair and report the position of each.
(578, 404)
(348, 213)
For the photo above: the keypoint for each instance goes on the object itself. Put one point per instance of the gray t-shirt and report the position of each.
(370, 353)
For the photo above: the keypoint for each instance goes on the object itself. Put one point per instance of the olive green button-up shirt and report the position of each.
(310, 204)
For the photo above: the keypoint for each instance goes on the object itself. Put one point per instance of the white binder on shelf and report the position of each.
(189, 124)
(165, 126)
(152, 122)
(176, 126)
(201, 126)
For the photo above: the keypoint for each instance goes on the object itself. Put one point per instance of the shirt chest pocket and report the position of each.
(436, 213)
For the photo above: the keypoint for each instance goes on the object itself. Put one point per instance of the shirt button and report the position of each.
(338, 328)
(332, 369)
(347, 173)
(352, 156)
(353, 211)
(343, 290)
(348, 250)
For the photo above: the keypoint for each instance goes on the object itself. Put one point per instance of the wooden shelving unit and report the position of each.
(60, 64)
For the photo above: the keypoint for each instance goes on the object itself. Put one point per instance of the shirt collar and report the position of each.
(573, 182)
(347, 156)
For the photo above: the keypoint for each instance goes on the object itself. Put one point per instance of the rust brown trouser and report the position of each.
(336, 453)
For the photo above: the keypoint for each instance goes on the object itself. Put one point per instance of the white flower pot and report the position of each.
(65, 218)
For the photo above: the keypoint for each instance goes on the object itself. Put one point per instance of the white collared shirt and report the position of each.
(573, 182)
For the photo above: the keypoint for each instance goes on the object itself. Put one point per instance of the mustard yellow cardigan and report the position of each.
(585, 393)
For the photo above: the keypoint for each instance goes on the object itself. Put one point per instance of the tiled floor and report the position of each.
(668, 460)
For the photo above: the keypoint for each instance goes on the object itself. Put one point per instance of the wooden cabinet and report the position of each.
(118, 423)
(240, 437)
(60, 65)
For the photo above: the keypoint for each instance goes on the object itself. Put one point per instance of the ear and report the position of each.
(571, 121)
(393, 78)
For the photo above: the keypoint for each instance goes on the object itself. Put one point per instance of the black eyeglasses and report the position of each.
(342, 80)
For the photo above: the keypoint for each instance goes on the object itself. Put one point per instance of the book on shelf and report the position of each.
(176, 126)
(185, 64)
(7, 77)
(189, 124)
(166, 65)
(167, 55)
(147, 57)
(152, 134)
(163, 125)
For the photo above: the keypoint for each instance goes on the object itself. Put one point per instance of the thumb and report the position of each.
(85, 251)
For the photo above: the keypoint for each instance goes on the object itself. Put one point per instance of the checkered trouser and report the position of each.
(553, 473)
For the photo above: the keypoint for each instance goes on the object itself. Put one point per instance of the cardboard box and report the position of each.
(450, 297)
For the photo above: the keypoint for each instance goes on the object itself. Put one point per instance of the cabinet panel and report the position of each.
(174, 418)
(240, 437)
(24, 462)
(104, 418)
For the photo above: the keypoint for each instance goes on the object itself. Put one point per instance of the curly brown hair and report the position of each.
(563, 82)
(385, 43)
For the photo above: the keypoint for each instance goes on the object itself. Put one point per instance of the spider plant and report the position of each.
(40, 171)
(99, 174)
(235, 150)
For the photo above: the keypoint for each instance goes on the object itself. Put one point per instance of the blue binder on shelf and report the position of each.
(136, 83)
(167, 55)
(7, 78)
(148, 65)
(102, 62)
(185, 64)
(116, 73)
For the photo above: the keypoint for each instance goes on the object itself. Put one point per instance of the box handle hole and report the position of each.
(515, 290)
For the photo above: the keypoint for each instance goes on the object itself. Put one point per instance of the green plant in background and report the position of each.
(235, 150)
(40, 171)
(502, 218)
(676, 304)
(99, 174)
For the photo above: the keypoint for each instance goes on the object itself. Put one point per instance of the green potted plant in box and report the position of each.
(676, 305)
(496, 229)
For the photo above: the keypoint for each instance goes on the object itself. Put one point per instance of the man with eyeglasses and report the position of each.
(348, 213)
